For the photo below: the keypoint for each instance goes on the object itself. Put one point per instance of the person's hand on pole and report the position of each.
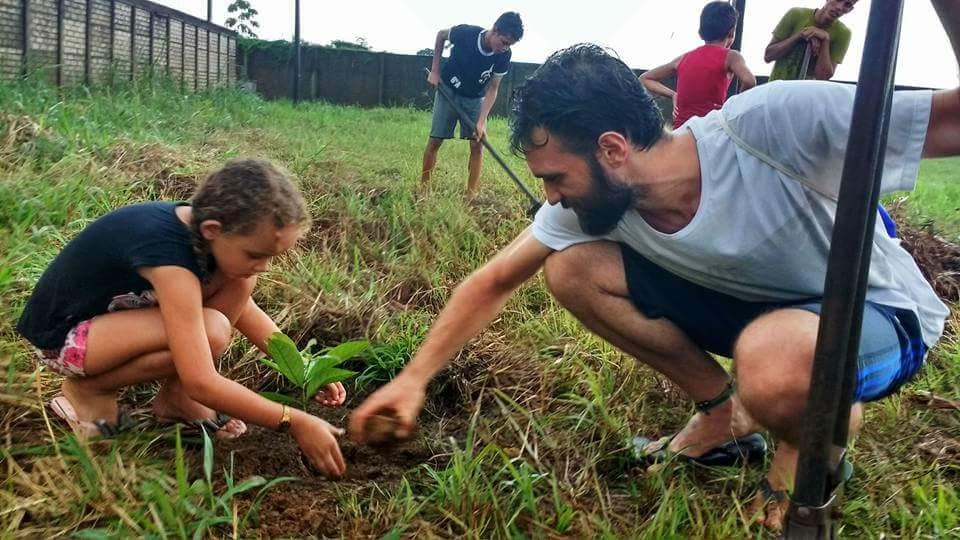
(433, 78)
(481, 129)
(402, 399)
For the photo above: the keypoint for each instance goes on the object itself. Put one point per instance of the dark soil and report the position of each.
(311, 505)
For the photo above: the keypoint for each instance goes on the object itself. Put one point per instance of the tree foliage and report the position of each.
(360, 44)
(242, 18)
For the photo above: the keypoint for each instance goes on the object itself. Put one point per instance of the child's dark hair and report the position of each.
(716, 20)
(509, 24)
(241, 195)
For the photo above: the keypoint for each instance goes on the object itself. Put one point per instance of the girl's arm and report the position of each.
(651, 78)
(180, 299)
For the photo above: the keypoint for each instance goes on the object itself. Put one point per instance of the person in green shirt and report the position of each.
(800, 37)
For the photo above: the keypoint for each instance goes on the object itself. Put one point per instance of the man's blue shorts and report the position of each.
(445, 118)
(891, 348)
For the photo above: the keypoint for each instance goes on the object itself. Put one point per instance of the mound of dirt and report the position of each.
(938, 259)
(310, 505)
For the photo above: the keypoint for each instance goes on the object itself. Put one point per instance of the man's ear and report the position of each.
(211, 229)
(613, 148)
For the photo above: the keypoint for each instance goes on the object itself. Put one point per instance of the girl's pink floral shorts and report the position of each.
(69, 360)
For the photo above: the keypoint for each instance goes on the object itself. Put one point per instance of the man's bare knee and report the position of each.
(580, 269)
(773, 356)
(219, 331)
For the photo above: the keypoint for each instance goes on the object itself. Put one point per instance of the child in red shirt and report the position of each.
(703, 74)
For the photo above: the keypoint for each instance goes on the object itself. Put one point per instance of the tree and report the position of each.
(425, 52)
(243, 22)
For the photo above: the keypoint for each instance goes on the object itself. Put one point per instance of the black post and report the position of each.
(25, 36)
(87, 35)
(834, 369)
(60, 53)
(209, 15)
(296, 49)
(741, 6)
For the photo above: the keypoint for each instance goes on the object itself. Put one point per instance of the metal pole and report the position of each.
(296, 49)
(209, 11)
(87, 36)
(834, 370)
(25, 35)
(464, 118)
(60, 32)
(741, 7)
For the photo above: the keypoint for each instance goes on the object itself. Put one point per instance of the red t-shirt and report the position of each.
(702, 82)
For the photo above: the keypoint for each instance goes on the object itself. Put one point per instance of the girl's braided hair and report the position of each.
(240, 195)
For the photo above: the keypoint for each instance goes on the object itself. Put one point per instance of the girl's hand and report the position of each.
(318, 441)
(333, 395)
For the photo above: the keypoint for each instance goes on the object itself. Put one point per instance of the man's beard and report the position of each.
(601, 210)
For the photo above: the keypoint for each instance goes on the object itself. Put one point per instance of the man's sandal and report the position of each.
(749, 449)
(769, 495)
(88, 429)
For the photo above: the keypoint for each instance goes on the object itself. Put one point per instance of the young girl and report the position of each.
(152, 291)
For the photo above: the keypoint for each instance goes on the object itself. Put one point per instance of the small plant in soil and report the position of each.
(306, 370)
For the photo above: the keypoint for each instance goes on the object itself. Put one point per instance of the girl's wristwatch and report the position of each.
(284, 424)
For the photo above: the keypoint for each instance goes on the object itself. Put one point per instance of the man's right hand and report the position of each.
(402, 398)
(433, 78)
(318, 441)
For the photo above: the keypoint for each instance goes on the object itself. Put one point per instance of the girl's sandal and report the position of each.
(87, 429)
(212, 426)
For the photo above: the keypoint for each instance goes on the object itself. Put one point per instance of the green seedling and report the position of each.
(306, 370)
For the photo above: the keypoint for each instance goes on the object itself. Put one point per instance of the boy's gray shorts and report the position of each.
(445, 117)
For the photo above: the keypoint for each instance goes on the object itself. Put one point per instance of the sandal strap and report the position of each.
(707, 405)
(770, 494)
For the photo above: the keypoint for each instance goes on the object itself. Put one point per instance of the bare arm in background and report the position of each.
(651, 78)
(943, 132)
(442, 36)
(738, 66)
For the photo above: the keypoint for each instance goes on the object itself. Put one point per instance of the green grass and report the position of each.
(538, 409)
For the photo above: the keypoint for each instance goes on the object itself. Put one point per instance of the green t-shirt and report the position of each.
(788, 66)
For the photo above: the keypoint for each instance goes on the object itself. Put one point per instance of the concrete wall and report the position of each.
(94, 41)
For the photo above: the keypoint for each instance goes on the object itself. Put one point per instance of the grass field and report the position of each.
(522, 437)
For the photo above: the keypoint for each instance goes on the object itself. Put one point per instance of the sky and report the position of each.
(645, 33)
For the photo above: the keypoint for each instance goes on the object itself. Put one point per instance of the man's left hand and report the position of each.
(481, 131)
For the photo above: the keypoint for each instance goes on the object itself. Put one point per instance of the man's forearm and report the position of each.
(949, 13)
(776, 51)
(438, 51)
(489, 98)
(472, 307)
